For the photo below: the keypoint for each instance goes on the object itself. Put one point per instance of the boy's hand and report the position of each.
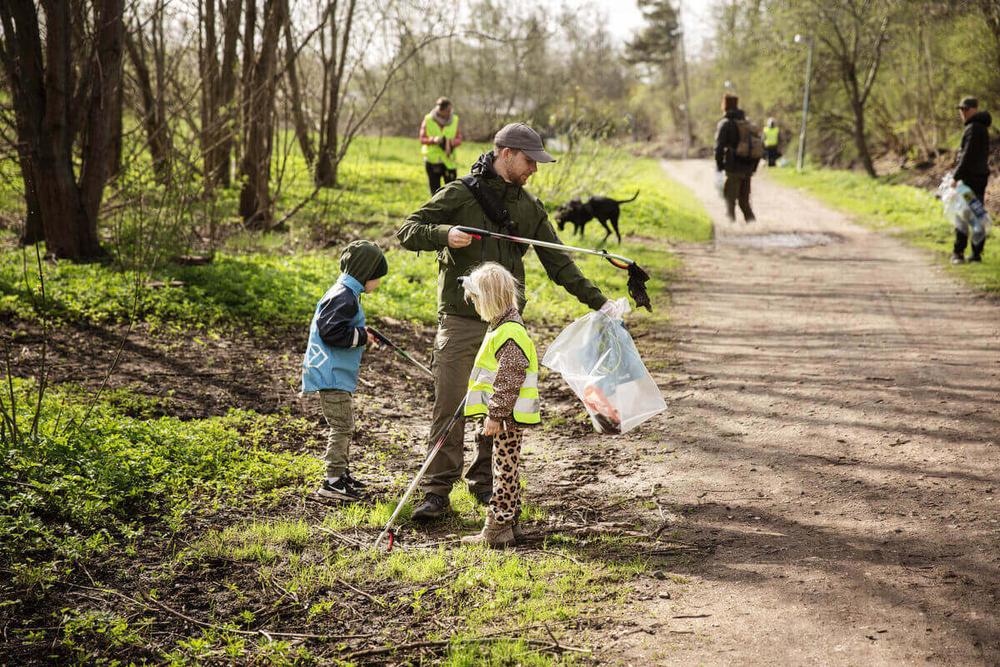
(492, 427)
(373, 341)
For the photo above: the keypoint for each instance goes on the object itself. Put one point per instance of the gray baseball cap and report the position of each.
(522, 137)
(968, 103)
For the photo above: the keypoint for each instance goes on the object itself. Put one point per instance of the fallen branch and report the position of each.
(360, 592)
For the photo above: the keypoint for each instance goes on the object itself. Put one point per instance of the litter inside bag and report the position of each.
(599, 361)
(963, 210)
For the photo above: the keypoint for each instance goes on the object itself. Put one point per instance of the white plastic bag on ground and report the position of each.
(963, 210)
(599, 361)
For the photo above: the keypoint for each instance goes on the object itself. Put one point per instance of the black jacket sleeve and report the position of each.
(973, 153)
(334, 321)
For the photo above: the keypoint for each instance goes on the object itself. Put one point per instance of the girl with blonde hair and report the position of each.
(503, 389)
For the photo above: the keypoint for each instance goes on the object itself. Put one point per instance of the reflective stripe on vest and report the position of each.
(434, 153)
(527, 407)
(770, 137)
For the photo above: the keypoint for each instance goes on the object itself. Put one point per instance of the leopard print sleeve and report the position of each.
(513, 366)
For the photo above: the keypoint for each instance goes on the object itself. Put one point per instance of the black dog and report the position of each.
(605, 209)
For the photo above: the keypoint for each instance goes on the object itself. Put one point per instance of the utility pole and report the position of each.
(805, 100)
(684, 69)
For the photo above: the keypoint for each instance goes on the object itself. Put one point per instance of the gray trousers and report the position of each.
(455, 347)
(338, 411)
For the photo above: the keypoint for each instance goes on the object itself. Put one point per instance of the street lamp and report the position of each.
(679, 33)
(805, 98)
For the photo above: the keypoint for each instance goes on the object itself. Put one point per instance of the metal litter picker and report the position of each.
(637, 276)
(387, 531)
(403, 353)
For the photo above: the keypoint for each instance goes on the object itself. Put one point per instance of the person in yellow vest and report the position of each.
(772, 135)
(503, 390)
(439, 137)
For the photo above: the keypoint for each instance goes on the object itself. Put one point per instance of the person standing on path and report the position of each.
(772, 137)
(972, 168)
(503, 205)
(732, 131)
(439, 137)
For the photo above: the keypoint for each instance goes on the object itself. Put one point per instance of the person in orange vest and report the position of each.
(439, 137)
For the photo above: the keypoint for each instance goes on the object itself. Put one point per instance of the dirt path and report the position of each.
(834, 433)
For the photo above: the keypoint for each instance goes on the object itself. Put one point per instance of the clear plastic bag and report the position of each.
(599, 361)
(720, 183)
(963, 210)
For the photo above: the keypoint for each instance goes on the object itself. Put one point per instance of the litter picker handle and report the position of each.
(476, 233)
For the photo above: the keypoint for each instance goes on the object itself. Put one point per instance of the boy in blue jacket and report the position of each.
(337, 339)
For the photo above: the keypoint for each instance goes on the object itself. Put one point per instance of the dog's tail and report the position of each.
(625, 201)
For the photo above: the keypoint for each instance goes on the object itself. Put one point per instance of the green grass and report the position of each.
(263, 281)
(87, 483)
(907, 212)
(491, 593)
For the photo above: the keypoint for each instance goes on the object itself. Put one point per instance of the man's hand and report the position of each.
(443, 143)
(492, 427)
(373, 341)
(457, 238)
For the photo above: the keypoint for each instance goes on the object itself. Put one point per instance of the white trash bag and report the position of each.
(599, 361)
(963, 210)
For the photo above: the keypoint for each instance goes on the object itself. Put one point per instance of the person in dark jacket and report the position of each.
(503, 172)
(972, 168)
(337, 339)
(738, 170)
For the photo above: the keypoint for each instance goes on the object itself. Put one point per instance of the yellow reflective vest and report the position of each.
(434, 153)
(771, 137)
(527, 408)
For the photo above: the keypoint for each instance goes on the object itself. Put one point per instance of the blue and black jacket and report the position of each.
(337, 338)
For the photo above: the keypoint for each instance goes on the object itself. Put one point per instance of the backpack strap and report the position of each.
(491, 205)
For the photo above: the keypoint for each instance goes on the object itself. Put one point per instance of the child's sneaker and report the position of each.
(338, 489)
(351, 481)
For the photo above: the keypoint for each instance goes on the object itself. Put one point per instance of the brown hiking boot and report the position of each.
(493, 534)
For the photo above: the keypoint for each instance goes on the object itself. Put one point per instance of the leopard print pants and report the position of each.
(505, 504)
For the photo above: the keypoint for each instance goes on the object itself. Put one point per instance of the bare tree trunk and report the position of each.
(246, 86)
(860, 141)
(42, 91)
(33, 231)
(328, 162)
(155, 125)
(291, 73)
(227, 91)
(208, 55)
(255, 197)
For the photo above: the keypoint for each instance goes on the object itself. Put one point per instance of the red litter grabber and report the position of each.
(387, 531)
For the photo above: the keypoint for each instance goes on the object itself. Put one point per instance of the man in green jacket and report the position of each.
(503, 172)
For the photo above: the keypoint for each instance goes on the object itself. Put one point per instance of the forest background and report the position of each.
(211, 97)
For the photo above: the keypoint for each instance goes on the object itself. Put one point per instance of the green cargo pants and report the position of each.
(338, 411)
(455, 347)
